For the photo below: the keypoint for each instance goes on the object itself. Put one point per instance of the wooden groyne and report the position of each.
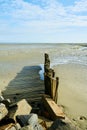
(50, 81)
(23, 115)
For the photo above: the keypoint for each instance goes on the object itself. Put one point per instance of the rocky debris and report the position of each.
(27, 128)
(3, 111)
(9, 111)
(1, 98)
(6, 102)
(31, 120)
(21, 108)
(17, 116)
(12, 127)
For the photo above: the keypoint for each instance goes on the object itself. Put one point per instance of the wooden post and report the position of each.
(56, 91)
(50, 82)
(53, 88)
(46, 63)
(47, 85)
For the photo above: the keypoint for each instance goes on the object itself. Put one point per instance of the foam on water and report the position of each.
(41, 72)
(69, 59)
(63, 60)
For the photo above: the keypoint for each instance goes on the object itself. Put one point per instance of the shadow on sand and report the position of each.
(26, 85)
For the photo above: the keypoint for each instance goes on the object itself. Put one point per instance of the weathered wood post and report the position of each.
(46, 63)
(56, 91)
(50, 82)
(47, 74)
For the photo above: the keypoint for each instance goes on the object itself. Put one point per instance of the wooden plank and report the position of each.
(54, 110)
(53, 88)
(48, 85)
(56, 91)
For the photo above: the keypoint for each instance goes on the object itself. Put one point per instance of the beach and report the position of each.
(72, 92)
(69, 62)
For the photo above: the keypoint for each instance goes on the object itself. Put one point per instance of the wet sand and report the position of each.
(72, 93)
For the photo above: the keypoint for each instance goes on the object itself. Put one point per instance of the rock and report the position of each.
(7, 102)
(1, 98)
(27, 128)
(22, 108)
(33, 119)
(38, 127)
(22, 119)
(12, 128)
(3, 111)
(17, 126)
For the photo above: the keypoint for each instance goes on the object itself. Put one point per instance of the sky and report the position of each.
(43, 21)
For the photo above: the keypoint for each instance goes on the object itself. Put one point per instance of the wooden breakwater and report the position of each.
(50, 81)
(22, 115)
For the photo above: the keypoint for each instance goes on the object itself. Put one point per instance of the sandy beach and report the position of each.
(72, 93)
(19, 67)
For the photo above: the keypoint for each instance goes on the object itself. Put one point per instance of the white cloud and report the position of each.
(20, 17)
(54, 13)
(80, 6)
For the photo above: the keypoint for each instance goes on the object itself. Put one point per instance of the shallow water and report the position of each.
(59, 53)
(13, 57)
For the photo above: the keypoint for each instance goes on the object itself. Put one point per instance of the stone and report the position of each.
(29, 127)
(38, 127)
(12, 128)
(3, 111)
(7, 102)
(1, 98)
(17, 126)
(22, 119)
(22, 108)
(33, 119)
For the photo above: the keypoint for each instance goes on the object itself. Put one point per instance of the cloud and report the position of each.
(19, 10)
(80, 6)
(40, 16)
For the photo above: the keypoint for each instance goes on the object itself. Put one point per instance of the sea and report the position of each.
(18, 55)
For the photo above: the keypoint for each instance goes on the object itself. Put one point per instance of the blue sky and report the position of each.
(33, 21)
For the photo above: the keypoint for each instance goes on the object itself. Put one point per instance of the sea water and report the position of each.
(64, 54)
(14, 56)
